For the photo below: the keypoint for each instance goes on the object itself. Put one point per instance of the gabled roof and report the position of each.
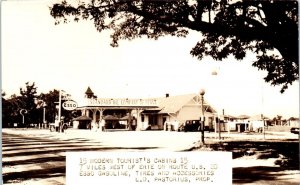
(229, 116)
(258, 117)
(172, 104)
(243, 116)
(293, 119)
(89, 91)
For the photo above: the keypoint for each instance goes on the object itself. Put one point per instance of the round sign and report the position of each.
(23, 111)
(69, 105)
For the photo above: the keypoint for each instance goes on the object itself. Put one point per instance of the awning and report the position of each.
(151, 111)
(125, 118)
(110, 117)
(82, 118)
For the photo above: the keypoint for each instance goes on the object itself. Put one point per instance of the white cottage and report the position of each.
(178, 109)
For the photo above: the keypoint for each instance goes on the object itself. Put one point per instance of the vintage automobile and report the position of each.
(55, 127)
(295, 130)
(192, 126)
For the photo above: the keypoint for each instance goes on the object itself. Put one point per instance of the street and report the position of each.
(37, 156)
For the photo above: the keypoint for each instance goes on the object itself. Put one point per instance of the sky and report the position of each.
(75, 56)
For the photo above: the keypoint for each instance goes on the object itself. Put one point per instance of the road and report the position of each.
(38, 156)
(33, 156)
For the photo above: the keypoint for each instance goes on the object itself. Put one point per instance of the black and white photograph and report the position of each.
(166, 92)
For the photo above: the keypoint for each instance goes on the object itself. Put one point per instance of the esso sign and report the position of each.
(69, 105)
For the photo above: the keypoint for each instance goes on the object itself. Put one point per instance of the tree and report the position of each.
(11, 110)
(277, 120)
(28, 96)
(51, 99)
(13, 105)
(6, 113)
(268, 28)
(33, 104)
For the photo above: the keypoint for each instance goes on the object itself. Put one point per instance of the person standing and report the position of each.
(133, 124)
(101, 125)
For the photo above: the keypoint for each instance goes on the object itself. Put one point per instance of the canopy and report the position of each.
(125, 118)
(82, 118)
(110, 117)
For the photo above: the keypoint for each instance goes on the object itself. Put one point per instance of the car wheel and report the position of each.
(52, 129)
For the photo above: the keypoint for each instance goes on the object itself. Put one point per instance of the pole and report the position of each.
(263, 120)
(219, 128)
(202, 118)
(44, 121)
(216, 123)
(228, 127)
(44, 114)
(59, 110)
(21, 112)
(262, 107)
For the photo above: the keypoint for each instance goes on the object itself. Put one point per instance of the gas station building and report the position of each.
(144, 114)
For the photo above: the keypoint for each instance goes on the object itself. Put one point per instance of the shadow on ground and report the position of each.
(36, 152)
(285, 152)
(244, 175)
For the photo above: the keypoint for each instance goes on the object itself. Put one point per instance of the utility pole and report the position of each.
(202, 92)
(59, 110)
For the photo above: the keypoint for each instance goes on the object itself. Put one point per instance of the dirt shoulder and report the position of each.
(262, 161)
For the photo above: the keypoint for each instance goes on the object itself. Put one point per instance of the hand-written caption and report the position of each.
(149, 170)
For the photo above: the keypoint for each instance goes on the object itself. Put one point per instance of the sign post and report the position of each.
(22, 112)
(59, 110)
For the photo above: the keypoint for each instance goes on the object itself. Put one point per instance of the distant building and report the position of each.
(294, 122)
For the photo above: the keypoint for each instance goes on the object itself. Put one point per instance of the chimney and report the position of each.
(167, 95)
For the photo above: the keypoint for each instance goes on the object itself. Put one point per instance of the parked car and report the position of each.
(295, 130)
(192, 126)
(55, 127)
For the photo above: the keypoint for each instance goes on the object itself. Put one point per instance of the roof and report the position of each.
(243, 116)
(229, 116)
(125, 117)
(293, 119)
(82, 118)
(89, 91)
(172, 104)
(258, 117)
(110, 117)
